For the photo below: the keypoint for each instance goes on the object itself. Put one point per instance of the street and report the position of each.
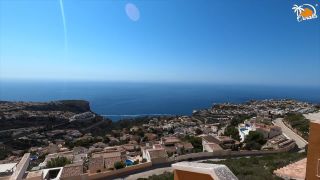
(289, 133)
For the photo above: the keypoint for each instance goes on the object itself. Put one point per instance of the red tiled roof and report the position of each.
(187, 145)
(170, 139)
(72, 170)
(209, 139)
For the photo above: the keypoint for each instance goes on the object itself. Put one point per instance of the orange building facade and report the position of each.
(313, 157)
(185, 175)
(201, 171)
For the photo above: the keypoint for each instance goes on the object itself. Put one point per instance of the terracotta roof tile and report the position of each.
(295, 170)
(72, 170)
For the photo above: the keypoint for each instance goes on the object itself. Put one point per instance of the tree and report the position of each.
(233, 132)
(3, 153)
(239, 119)
(195, 141)
(298, 122)
(170, 154)
(198, 131)
(119, 165)
(58, 162)
(254, 140)
(136, 162)
(106, 140)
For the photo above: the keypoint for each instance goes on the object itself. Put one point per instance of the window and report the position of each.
(318, 168)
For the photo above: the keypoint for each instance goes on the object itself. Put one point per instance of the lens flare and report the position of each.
(64, 26)
(132, 12)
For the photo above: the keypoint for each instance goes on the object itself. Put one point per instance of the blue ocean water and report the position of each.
(122, 100)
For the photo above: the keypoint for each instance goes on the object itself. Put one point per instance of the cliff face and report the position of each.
(75, 106)
(34, 114)
(29, 124)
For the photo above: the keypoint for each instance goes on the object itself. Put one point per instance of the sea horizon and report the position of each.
(118, 100)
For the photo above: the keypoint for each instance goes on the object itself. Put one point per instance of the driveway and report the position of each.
(301, 143)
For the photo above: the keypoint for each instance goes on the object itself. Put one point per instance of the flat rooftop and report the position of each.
(7, 167)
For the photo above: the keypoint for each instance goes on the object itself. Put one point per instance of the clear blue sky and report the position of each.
(207, 41)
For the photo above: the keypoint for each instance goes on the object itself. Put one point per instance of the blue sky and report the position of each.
(206, 41)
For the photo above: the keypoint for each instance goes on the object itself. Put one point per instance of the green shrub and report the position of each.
(233, 132)
(254, 140)
(298, 122)
(164, 176)
(58, 162)
(119, 165)
(259, 167)
(3, 154)
(195, 141)
(135, 162)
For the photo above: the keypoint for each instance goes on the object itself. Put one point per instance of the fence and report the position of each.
(229, 153)
(200, 155)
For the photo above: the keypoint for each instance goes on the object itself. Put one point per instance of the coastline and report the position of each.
(116, 117)
(107, 98)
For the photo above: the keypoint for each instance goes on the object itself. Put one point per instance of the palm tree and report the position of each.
(297, 9)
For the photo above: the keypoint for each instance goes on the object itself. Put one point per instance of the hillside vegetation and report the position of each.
(298, 122)
(259, 168)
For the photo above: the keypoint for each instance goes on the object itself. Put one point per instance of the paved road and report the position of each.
(289, 133)
(149, 173)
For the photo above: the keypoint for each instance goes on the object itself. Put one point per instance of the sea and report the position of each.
(122, 100)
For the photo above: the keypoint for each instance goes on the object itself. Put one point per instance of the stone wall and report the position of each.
(81, 177)
(226, 153)
(200, 155)
(119, 172)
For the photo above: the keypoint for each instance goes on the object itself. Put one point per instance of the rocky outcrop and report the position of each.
(75, 106)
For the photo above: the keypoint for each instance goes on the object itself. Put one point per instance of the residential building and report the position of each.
(209, 144)
(144, 151)
(268, 131)
(244, 129)
(223, 141)
(35, 175)
(156, 156)
(21, 167)
(7, 169)
(72, 171)
(167, 141)
(53, 148)
(96, 164)
(110, 157)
